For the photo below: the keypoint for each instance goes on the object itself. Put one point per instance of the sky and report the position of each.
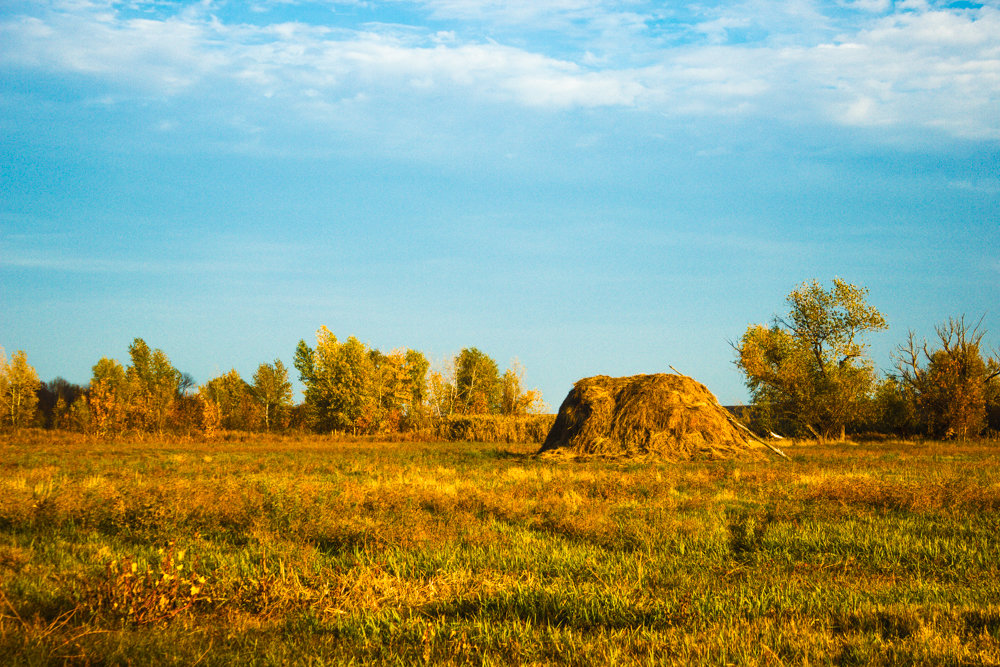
(588, 186)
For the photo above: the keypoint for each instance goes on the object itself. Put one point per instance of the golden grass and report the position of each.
(315, 550)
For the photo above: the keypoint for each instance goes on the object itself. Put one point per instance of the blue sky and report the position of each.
(589, 186)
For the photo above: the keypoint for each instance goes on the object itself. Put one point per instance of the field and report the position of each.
(315, 551)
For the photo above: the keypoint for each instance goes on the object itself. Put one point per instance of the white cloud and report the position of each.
(923, 69)
(935, 69)
(875, 6)
(514, 11)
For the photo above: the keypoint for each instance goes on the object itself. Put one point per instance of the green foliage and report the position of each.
(109, 371)
(472, 385)
(893, 409)
(808, 371)
(477, 383)
(417, 368)
(273, 391)
(152, 387)
(140, 396)
(235, 401)
(335, 377)
(350, 387)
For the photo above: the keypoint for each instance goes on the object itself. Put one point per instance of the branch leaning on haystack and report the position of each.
(735, 422)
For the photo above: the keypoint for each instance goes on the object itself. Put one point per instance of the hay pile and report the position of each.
(667, 416)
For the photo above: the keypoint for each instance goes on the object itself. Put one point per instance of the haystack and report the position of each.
(668, 416)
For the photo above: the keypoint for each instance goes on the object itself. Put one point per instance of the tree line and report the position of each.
(349, 387)
(809, 372)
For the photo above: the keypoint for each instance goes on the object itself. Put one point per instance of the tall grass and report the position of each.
(507, 429)
(313, 551)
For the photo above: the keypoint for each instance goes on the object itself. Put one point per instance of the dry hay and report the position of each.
(667, 416)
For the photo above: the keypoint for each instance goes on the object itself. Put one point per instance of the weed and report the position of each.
(149, 595)
(746, 531)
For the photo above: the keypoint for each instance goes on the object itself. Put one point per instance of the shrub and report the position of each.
(495, 428)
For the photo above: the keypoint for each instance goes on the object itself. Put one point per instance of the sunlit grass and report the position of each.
(310, 550)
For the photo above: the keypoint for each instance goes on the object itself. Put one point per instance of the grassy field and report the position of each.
(314, 551)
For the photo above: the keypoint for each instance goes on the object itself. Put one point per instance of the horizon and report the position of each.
(590, 187)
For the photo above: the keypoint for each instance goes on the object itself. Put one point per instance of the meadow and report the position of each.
(275, 550)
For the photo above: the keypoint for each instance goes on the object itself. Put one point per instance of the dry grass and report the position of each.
(521, 429)
(284, 551)
(668, 416)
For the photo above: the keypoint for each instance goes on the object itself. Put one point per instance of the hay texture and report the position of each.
(667, 416)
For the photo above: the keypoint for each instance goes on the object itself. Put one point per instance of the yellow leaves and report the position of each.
(210, 416)
(18, 386)
(197, 584)
(145, 596)
(809, 367)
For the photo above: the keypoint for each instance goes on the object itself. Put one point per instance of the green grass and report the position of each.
(313, 551)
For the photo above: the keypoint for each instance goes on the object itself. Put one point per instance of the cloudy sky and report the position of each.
(591, 186)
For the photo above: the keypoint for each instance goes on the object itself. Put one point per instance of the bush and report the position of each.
(496, 428)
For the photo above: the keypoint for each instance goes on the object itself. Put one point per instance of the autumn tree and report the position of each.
(441, 390)
(139, 396)
(235, 401)
(514, 398)
(273, 391)
(809, 369)
(208, 419)
(470, 383)
(339, 387)
(153, 386)
(352, 387)
(107, 397)
(477, 383)
(417, 367)
(18, 390)
(391, 389)
(55, 403)
(951, 382)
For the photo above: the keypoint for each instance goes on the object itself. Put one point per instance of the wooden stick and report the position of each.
(735, 422)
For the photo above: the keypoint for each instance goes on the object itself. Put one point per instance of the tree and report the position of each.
(208, 418)
(894, 409)
(272, 390)
(392, 393)
(235, 401)
(153, 385)
(514, 399)
(949, 385)
(18, 390)
(340, 394)
(417, 367)
(441, 390)
(141, 395)
(55, 399)
(107, 397)
(350, 386)
(809, 370)
(477, 383)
